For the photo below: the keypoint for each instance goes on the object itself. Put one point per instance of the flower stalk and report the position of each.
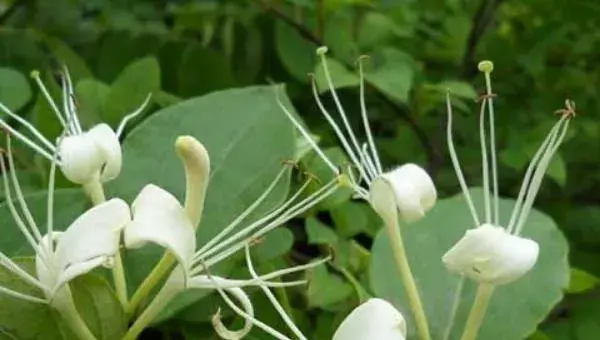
(477, 313)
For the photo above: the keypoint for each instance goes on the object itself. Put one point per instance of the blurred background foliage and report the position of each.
(544, 52)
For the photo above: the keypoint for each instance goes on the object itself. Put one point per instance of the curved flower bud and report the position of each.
(490, 254)
(96, 152)
(159, 218)
(410, 188)
(374, 319)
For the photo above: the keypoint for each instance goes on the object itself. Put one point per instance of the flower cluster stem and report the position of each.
(395, 237)
(477, 313)
(63, 302)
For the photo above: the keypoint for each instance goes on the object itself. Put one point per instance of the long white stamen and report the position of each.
(45, 142)
(299, 208)
(307, 136)
(7, 263)
(68, 104)
(368, 162)
(286, 318)
(295, 269)
(11, 207)
(19, 194)
(207, 251)
(488, 85)
(244, 214)
(485, 164)
(346, 146)
(539, 176)
(132, 115)
(61, 119)
(456, 163)
(321, 52)
(528, 174)
(22, 296)
(50, 203)
(365, 119)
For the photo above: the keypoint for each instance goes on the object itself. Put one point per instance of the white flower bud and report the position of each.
(374, 319)
(411, 189)
(490, 254)
(96, 152)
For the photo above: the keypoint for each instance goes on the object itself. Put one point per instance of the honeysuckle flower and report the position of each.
(91, 241)
(374, 319)
(492, 253)
(83, 156)
(406, 192)
(408, 188)
(159, 218)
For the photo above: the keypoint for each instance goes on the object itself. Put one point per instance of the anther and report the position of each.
(569, 110)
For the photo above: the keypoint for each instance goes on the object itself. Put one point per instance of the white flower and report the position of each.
(89, 242)
(83, 156)
(407, 188)
(491, 253)
(373, 319)
(159, 218)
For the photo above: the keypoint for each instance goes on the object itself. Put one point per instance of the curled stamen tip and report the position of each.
(312, 177)
(321, 51)
(362, 58)
(569, 110)
(35, 74)
(485, 66)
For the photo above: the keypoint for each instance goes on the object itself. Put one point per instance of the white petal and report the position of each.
(108, 143)
(414, 191)
(91, 240)
(46, 265)
(159, 218)
(490, 254)
(374, 319)
(80, 158)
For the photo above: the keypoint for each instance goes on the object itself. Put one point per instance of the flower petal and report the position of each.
(414, 190)
(490, 254)
(159, 218)
(91, 240)
(374, 319)
(108, 142)
(80, 158)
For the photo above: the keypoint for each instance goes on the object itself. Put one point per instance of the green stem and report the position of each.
(395, 237)
(160, 301)
(160, 270)
(95, 192)
(63, 302)
(482, 298)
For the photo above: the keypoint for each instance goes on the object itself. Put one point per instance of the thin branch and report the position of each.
(481, 21)
(304, 31)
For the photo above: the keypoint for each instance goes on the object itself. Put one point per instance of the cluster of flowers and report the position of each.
(489, 253)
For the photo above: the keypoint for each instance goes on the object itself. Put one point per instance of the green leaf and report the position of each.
(392, 74)
(339, 74)
(319, 233)
(99, 307)
(520, 305)
(15, 91)
(128, 92)
(274, 244)
(78, 69)
(91, 95)
(297, 55)
(581, 281)
(203, 70)
(235, 126)
(325, 288)
(352, 218)
(95, 301)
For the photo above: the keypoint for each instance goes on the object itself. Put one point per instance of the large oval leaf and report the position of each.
(247, 137)
(515, 309)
